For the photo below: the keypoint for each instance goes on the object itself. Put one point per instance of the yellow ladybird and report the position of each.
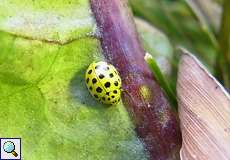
(103, 82)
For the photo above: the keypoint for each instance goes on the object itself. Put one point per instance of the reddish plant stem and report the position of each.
(155, 123)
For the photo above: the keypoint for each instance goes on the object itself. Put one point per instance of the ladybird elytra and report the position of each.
(103, 82)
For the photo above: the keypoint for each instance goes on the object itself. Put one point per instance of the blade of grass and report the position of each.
(188, 34)
(208, 12)
(223, 59)
(161, 80)
(196, 8)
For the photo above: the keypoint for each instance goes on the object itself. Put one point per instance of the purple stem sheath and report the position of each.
(155, 123)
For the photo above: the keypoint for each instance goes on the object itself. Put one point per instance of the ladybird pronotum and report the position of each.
(103, 82)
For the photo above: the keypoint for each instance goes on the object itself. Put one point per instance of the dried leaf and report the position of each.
(204, 110)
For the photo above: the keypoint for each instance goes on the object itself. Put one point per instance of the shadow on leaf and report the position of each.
(80, 93)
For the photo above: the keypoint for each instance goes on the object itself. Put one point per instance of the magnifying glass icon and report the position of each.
(9, 147)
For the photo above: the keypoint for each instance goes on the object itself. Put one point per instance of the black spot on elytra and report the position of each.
(101, 76)
(108, 99)
(96, 96)
(113, 96)
(115, 91)
(97, 67)
(90, 88)
(90, 71)
(99, 90)
(87, 80)
(107, 84)
(116, 83)
(107, 93)
(111, 75)
(94, 80)
(106, 68)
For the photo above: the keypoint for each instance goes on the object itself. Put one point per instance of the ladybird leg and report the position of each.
(128, 94)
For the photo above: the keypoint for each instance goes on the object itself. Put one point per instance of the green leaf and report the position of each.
(43, 100)
(157, 44)
(62, 21)
(45, 48)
